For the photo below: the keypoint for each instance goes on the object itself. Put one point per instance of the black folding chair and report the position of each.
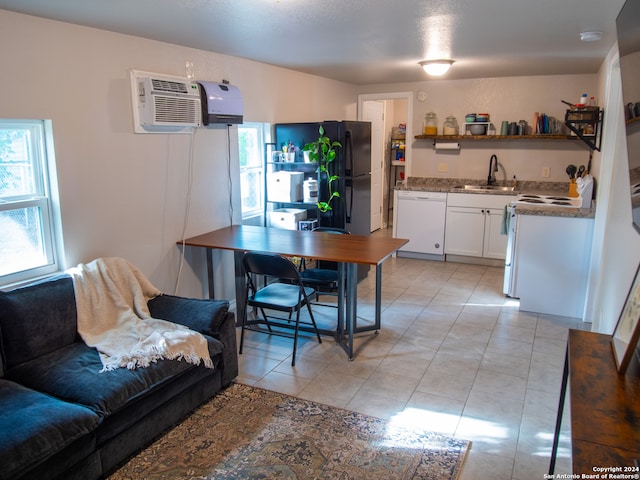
(283, 291)
(324, 276)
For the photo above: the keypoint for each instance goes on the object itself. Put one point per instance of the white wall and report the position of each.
(124, 194)
(616, 245)
(510, 99)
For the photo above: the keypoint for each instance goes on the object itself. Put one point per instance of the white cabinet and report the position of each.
(464, 231)
(495, 242)
(474, 225)
(420, 217)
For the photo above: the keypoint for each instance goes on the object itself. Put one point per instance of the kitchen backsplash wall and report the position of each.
(511, 99)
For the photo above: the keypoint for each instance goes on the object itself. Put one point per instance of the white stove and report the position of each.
(510, 287)
(548, 201)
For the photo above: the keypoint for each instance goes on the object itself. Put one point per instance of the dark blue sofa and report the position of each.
(60, 418)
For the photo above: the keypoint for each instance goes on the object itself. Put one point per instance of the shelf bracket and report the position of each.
(593, 141)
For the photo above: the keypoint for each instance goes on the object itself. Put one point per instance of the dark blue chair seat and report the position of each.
(283, 291)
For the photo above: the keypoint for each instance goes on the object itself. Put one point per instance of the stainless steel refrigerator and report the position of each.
(352, 211)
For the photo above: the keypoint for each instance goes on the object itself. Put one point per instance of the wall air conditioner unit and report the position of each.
(221, 103)
(164, 104)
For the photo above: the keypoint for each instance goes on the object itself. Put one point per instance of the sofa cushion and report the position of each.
(202, 315)
(73, 374)
(37, 319)
(1, 356)
(35, 426)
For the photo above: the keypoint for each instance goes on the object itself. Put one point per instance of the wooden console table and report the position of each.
(605, 409)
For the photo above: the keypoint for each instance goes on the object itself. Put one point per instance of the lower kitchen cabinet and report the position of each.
(474, 225)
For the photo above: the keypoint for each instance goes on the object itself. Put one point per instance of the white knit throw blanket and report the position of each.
(111, 298)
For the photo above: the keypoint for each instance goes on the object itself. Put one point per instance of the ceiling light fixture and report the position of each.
(592, 36)
(436, 68)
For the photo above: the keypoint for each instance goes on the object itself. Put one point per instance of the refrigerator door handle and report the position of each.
(348, 190)
(348, 154)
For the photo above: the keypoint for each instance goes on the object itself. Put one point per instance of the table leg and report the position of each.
(341, 301)
(241, 287)
(378, 295)
(351, 305)
(556, 435)
(378, 305)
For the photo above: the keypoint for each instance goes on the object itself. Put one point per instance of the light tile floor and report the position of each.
(454, 354)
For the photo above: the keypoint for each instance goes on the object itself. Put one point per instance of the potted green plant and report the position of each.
(323, 152)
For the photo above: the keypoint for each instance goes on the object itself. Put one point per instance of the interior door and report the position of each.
(373, 111)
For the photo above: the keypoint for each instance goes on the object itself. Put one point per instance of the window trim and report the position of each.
(47, 199)
(264, 137)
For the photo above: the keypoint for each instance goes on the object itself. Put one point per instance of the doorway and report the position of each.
(373, 111)
(369, 106)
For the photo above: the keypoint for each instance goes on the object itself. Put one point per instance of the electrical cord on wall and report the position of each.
(187, 209)
(189, 194)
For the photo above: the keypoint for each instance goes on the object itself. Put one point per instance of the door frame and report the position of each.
(377, 168)
(408, 96)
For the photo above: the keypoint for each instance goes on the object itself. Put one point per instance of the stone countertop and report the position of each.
(448, 185)
(430, 184)
(556, 211)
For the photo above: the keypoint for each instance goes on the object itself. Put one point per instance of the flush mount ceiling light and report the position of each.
(592, 36)
(436, 68)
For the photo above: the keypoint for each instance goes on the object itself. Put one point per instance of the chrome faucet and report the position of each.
(492, 169)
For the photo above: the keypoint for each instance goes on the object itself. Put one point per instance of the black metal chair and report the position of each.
(283, 291)
(324, 276)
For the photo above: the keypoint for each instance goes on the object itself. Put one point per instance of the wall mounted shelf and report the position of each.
(496, 137)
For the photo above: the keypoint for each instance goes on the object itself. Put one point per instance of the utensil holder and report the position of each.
(573, 188)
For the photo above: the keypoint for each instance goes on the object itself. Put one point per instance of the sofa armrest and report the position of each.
(209, 317)
(204, 316)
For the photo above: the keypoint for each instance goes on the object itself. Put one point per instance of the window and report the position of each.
(28, 245)
(252, 138)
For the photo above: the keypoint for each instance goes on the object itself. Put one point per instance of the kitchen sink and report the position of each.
(486, 188)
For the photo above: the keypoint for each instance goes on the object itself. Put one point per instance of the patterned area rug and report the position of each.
(250, 433)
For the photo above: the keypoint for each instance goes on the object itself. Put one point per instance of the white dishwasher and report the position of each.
(421, 218)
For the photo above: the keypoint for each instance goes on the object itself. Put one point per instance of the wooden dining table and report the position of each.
(347, 250)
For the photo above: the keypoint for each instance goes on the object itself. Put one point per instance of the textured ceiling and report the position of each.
(365, 41)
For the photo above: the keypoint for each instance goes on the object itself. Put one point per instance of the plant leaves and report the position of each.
(324, 206)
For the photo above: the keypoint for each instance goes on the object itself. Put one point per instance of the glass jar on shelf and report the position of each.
(430, 124)
(450, 126)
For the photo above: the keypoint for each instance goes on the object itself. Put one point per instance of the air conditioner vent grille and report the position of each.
(172, 110)
(168, 86)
